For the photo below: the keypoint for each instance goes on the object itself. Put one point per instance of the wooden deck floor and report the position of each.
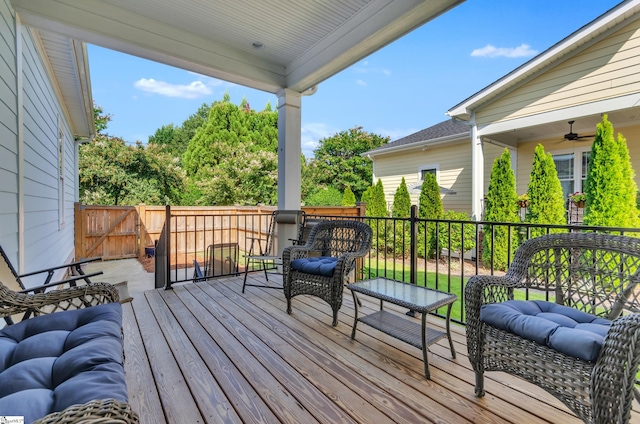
(206, 353)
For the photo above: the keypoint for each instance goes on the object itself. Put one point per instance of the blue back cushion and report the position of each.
(51, 362)
(322, 265)
(564, 329)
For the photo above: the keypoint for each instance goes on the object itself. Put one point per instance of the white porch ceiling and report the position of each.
(302, 42)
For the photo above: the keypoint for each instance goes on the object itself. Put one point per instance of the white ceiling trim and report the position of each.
(362, 37)
(92, 21)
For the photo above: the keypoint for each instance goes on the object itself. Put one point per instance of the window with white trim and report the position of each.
(572, 173)
(428, 169)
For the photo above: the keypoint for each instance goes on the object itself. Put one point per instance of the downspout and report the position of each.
(20, 139)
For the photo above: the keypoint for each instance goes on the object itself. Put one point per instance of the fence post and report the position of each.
(167, 226)
(78, 230)
(413, 239)
(142, 229)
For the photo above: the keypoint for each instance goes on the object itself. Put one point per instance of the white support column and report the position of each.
(477, 171)
(289, 149)
(289, 153)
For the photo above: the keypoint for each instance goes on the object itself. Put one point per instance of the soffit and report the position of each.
(67, 64)
(303, 42)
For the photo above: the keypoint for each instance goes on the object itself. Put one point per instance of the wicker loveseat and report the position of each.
(65, 366)
(321, 267)
(581, 340)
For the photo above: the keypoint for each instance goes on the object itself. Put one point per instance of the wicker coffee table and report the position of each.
(416, 298)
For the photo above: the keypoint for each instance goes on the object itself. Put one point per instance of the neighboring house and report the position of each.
(593, 71)
(442, 149)
(45, 112)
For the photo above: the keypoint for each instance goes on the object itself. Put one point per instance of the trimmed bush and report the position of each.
(429, 207)
(546, 200)
(402, 209)
(348, 198)
(453, 232)
(610, 186)
(501, 206)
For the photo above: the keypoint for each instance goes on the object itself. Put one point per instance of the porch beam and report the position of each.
(289, 154)
(477, 170)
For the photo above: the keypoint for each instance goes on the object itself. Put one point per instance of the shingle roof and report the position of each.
(440, 130)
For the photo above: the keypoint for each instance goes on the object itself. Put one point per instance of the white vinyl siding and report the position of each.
(8, 134)
(44, 237)
(605, 70)
(45, 243)
(454, 172)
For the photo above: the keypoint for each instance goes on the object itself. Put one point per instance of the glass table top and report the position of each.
(385, 288)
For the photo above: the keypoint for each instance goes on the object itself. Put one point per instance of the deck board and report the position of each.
(205, 352)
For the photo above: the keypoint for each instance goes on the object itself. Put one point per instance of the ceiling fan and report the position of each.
(571, 136)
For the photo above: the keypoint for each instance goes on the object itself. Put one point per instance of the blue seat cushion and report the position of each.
(51, 362)
(321, 265)
(570, 331)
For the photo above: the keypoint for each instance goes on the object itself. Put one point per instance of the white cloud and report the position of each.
(189, 91)
(311, 134)
(363, 68)
(523, 50)
(361, 83)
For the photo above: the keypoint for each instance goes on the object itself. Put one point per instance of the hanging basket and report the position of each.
(579, 204)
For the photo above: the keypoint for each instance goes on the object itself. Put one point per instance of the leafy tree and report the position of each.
(113, 173)
(429, 207)
(232, 158)
(610, 185)
(402, 209)
(501, 206)
(175, 139)
(348, 198)
(546, 200)
(452, 234)
(325, 196)
(339, 162)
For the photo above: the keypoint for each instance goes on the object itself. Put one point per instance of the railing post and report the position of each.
(167, 228)
(413, 239)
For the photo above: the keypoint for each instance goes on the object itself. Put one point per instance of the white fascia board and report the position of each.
(380, 24)
(450, 139)
(82, 63)
(602, 106)
(102, 24)
(582, 36)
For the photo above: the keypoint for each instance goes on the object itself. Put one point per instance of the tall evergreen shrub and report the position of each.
(546, 200)
(429, 207)
(348, 198)
(610, 185)
(377, 208)
(500, 206)
(402, 209)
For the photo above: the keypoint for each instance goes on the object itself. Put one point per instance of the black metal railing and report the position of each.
(400, 250)
(439, 254)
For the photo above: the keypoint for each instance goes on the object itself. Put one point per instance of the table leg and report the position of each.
(453, 351)
(424, 346)
(355, 314)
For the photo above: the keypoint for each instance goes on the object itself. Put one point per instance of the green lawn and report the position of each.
(439, 281)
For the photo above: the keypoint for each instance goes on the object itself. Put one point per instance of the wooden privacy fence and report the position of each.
(117, 232)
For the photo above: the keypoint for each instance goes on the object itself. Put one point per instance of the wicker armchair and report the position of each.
(594, 273)
(39, 303)
(344, 241)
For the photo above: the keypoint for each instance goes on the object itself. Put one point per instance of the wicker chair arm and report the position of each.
(95, 411)
(480, 290)
(614, 375)
(12, 303)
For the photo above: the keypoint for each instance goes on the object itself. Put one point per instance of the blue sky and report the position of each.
(403, 88)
